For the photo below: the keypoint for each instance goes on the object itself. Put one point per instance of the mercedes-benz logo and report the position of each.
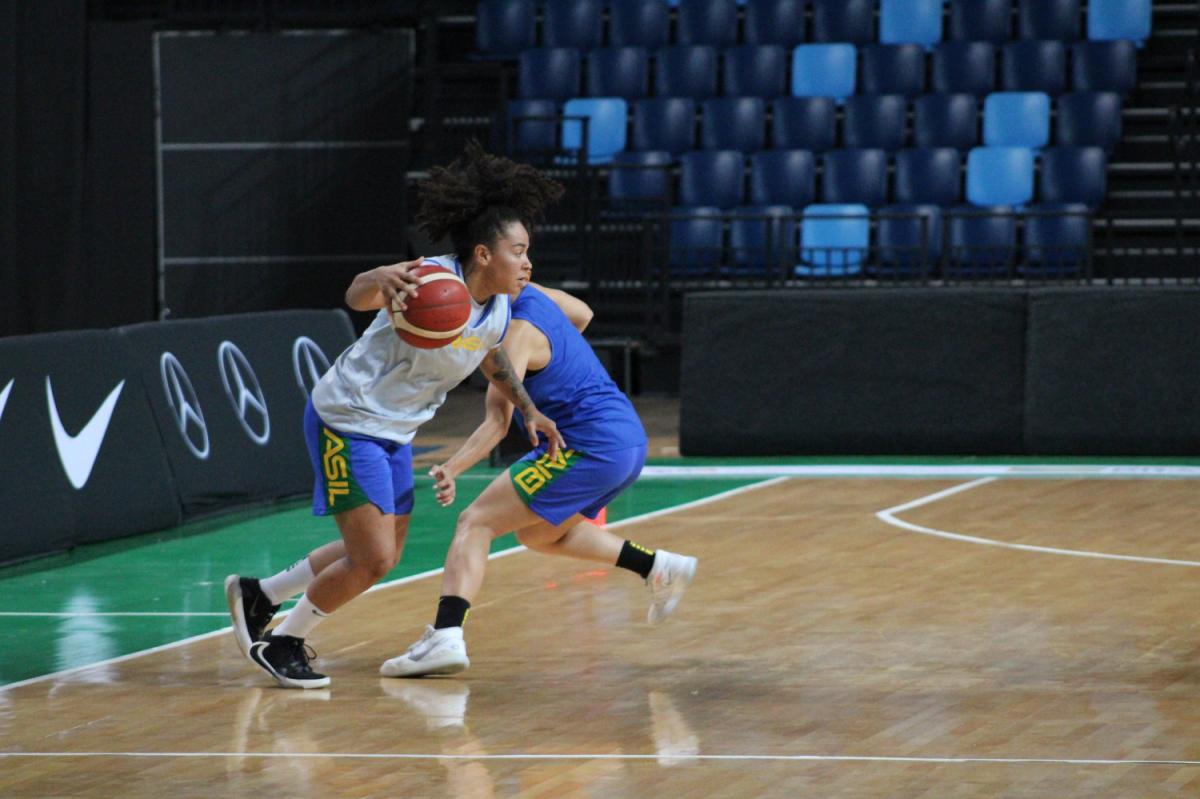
(185, 406)
(308, 363)
(244, 392)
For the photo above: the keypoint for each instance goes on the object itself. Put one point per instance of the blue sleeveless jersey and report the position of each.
(574, 389)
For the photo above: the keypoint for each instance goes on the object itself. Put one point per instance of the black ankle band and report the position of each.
(636, 558)
(452, 612)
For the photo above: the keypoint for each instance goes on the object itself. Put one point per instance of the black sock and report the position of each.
(636, 558)
(452, 612)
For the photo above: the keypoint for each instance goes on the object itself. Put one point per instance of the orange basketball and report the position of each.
(438, 313)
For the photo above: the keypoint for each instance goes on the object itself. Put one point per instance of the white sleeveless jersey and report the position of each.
(384, 387)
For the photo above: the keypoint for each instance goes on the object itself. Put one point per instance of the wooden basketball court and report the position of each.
(844, 637)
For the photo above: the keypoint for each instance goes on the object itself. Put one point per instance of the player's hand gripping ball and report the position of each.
(439, 312)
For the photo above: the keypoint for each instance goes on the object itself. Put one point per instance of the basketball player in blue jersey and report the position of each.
(549, 499)
(365, 410)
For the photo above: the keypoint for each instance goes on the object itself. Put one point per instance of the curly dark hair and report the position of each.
(478, 195)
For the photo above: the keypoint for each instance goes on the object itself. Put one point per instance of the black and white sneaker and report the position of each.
(249, 609)
(286, 659)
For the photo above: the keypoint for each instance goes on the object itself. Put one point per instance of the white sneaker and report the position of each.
(669, 578)
(437, 652)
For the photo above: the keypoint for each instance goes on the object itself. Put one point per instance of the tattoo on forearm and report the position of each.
(505, 375)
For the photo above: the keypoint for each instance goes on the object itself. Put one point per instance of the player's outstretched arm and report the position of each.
(575, 309)
(496, 417)
(375, 288)
(502, 373)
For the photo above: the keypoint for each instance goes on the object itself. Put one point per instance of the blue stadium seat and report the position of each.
(854, 176)
(1000, 176)
(1089, 119)
(548, 73)
(638, 23)
(834, 240)
(964, 68)
(1073, 175)
(875, 120)
(618, 72)
(928, 176)
(504, 27)
(755, 70)
(733, 123)
(1119, 19)
(946, 120)
(804, 123)
(823, 70)
(774, 22)
(910, 21)
(1048, 19)
(688, 70)
(910, 240)
(711, 177)
(639, 175)
(1035, 66)
(1016, 119)
(981, 20)
(783, 177)
(850, 21)
(1057, 241)
(981, 242)
(526, 132)
(664, 123)
(892, 69)
(1104, 67)
(707, 22)
(696, 234)
(606, 117)
(760, 238)
(578, 24)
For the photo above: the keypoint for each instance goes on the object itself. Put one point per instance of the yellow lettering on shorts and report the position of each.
(530, 479)
(334, 463)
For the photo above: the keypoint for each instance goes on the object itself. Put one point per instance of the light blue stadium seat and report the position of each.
(1104, 67)
(762, 238)
(1089, 119)
(981, 20)
(733, 123)
(1073, 175)
(707, 22)
(618, 72)
(875, 120)
(578, 24)
(686, 71)
(755, 71)
(823, 70)
(664, 123)
(1000, 176)
(504, 27)
(1119, 19)
(834, 240)
(711, 178)
(804, 123)
(964, 68)
(640, 176)
(548, 73)
(928, 176)
(892, 69)
(640, 23)
(1048, 19)
(850, 21)
(1035, 66)
(854, 176)
(946, 120)
(529, 130)
(1016, 119)
(910, 22)
(696, 240)
(981, 242)
(775, 22)
(606, 118)
(783, 177)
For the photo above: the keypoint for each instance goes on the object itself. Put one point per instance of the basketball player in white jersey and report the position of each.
(364, 412)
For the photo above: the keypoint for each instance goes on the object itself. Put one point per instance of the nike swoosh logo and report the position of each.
(4, 395)
(78, 452)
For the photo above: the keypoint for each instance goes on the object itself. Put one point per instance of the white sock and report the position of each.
(301, 621)
(289, 582)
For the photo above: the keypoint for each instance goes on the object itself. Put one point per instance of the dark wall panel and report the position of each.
(851, 372)
(1114, 372)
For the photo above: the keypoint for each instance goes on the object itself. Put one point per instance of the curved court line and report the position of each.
(964, 759)
(888, 517)
(399, 581)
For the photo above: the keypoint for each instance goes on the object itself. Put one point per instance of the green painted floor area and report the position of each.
(180, 573)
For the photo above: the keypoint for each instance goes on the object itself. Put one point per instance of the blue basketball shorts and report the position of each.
(573, 481)
(351, 470)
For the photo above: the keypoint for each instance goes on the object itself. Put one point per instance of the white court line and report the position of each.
(965, 759)
(379, 586)
(888, 517)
